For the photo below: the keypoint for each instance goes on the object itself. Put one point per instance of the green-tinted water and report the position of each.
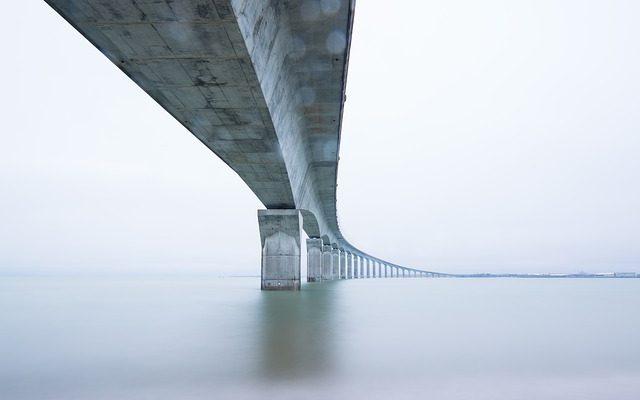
(203, 338)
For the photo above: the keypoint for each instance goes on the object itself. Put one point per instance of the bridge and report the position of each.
(262, 84)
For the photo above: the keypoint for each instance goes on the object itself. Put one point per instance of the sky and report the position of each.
(489, 136)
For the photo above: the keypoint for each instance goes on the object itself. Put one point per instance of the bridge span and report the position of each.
(262, 84)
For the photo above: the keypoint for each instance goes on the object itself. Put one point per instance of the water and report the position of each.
(206, 338)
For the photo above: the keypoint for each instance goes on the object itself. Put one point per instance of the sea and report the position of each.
(200, 337)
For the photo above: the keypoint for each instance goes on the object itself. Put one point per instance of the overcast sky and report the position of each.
(477, 136)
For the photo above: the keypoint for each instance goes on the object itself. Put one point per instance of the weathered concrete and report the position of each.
(327, 262)
(314, 260)
(350, 274)
(280, 235)
(335, 272)
(343, 264)
(367, 267)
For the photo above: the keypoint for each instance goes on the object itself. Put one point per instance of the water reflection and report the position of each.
(197, 339)
(296, 333)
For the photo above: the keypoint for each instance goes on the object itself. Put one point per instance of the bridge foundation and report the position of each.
(344, 264)
(314, 260)
(280, 236)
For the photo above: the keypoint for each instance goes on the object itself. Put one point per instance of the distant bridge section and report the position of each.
(262, 84)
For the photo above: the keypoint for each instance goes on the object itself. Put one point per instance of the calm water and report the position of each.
(204, 338)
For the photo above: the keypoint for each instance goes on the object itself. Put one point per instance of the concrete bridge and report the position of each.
(262, 84)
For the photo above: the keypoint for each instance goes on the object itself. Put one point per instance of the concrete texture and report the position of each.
(280, 235)
(350, 263)
(356, 272)
(343, 264)
(335, 253)
(327, 262)
(260, 83)
(314, 260)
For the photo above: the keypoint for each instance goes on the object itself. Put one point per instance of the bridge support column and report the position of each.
(356, 274)
(314, 260)
(403, 272)
(350, 263)
(361, 269)
(335, 252)
(386, 271)
(327, 262)
(344, 264)
(368, 269)
(280, 237)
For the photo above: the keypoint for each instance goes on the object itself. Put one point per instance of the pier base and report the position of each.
(280, 236)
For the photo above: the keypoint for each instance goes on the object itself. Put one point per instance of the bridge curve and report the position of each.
(261, 84)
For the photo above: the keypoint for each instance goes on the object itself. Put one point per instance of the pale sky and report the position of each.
(491, 136)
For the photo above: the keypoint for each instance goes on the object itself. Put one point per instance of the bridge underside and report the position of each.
(261, 84)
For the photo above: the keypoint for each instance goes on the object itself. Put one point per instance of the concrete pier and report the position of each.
(327, 262)
(314, 260)
(344, 264)
(356, 275)
(368, 268)
(335, 252)
(351, 260)
(280, 236)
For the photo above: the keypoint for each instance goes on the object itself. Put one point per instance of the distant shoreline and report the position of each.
(605, 275)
